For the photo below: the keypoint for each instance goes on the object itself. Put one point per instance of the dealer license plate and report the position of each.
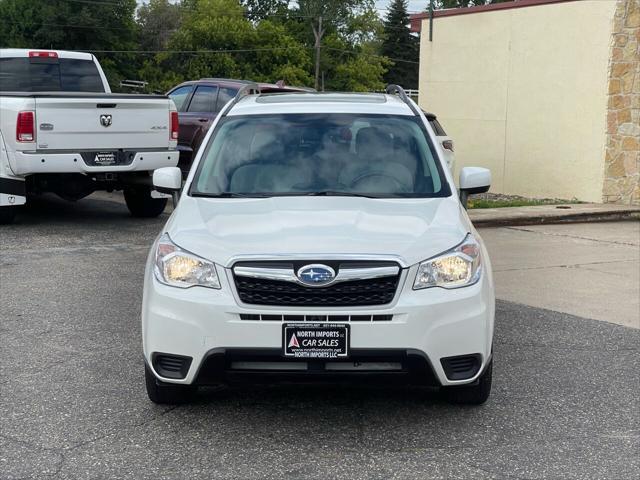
(105, 158)
(315, 340)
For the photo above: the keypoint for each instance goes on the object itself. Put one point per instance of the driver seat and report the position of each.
(374, 162)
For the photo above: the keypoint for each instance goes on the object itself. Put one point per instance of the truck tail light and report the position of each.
(26, 127)
(174, 126)
(43, 55)
(448, 144)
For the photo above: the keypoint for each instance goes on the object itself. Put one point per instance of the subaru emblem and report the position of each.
(105, 120)
(316, 275)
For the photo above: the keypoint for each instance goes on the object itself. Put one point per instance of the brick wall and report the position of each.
(622, 154)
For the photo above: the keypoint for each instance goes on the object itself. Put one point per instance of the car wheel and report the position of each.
(167, 393)
(140, 203)
(474, 394)
(7, 214)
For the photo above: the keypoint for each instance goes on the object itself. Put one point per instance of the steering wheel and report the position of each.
(401, 187)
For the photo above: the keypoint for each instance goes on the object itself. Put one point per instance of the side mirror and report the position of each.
(473, 180)
(167, 179)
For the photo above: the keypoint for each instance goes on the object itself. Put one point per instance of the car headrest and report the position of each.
(373, 143)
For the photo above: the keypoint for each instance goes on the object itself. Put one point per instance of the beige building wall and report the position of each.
(523, 91)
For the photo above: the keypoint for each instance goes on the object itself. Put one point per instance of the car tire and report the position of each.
(7, 215)
(475, 394)
(167, 393)
(140, 203)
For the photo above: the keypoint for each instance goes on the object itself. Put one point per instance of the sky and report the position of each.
(414, 5)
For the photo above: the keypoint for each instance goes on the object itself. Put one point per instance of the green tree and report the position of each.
(65, 25)
(263, 9)
(216, 39)
(326, 16)
(401, 46)
(440, 4)
(362, 72)
(158, 20)
(348, 29)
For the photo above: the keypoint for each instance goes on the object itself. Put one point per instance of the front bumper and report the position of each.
(433, 323)
(70, 162)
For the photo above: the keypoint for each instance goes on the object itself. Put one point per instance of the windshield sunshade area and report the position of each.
(320, 154)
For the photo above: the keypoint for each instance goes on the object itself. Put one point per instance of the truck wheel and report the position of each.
(7, 214)
(475, 394)
(140, 203)
(161, 392)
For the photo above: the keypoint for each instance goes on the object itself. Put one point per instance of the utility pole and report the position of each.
(431, 20)
(318, 33)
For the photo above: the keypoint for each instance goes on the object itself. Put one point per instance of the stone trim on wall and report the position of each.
(622, 153)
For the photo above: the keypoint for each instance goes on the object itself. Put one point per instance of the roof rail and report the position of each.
(248, 89)
(398, 90)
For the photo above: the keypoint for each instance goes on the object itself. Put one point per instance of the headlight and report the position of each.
(459, 267)
(181, 269)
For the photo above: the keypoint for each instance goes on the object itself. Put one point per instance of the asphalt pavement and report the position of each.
(565, 402)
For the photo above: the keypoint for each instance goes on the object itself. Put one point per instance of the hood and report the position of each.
(410, 230)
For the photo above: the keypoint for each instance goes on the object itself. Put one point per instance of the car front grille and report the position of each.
(352, 293)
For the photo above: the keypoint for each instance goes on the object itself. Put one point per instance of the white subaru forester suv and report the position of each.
(319, 236)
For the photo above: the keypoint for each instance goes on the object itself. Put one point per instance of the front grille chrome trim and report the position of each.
(318, 257)
(344, 274)
(282, 274)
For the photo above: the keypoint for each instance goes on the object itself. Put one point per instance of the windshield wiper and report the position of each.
(229, 195)
(321, 193)
(336, 193)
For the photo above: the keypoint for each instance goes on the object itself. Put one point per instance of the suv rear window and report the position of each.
(385, 156)
(22, 74)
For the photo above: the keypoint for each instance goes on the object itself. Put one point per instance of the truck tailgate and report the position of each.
(102, 123)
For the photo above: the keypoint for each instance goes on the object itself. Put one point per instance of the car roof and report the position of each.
(217, 81)
(270, 87)
(313, 102)
(24, 53)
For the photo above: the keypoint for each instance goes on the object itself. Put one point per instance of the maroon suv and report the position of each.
(199, 101)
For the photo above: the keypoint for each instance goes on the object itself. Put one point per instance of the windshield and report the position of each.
(320, 154)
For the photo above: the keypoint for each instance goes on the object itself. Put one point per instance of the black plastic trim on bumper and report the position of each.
(172, 366)
(10, 186)
(461, 367)
(216, 367)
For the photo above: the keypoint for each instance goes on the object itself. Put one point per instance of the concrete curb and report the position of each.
(546, 214)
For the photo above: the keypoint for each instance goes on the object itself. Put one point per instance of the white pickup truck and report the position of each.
(63, 131)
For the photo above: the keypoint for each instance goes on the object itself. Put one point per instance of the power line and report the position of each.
(243, 14)
(246, 50)
(98, 27)
(231, 50)
(371, 55)
(96, 2)
(57, 25)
